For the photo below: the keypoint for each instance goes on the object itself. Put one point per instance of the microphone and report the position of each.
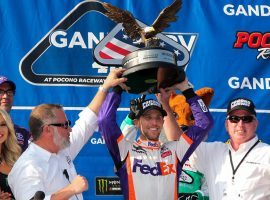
(66, 174)
(39, 195)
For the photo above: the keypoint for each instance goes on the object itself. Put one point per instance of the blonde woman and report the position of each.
(9, 153)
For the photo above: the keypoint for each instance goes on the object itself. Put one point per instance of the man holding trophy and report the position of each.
(148, 169)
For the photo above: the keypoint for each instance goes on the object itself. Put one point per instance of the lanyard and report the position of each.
(234, 170)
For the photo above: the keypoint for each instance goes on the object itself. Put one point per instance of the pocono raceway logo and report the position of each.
(77, 52)
(254, 40)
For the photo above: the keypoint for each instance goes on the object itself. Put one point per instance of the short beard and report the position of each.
(60, 141)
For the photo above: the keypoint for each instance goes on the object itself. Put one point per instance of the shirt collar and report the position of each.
(245, 146)
(43, 153)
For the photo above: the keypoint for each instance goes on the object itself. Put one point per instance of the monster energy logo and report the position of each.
(102, 185)
(108, 186)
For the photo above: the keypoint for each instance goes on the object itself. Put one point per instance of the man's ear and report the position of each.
(226, 124)
(257, 123)
(48, 130)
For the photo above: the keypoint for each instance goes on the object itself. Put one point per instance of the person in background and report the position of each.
(9, 153)
(239, 169)
(47, 164)
(147, 169)
(7, 93)
(192, 183)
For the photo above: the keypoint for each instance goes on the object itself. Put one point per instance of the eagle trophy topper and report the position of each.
(151, 67)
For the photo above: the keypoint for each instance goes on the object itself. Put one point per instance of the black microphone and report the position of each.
(39, 195)
(66, 174)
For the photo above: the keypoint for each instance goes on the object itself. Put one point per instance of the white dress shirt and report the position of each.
(252, 179)
(39, 170)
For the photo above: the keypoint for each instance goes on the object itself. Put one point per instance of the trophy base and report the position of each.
(149, 69)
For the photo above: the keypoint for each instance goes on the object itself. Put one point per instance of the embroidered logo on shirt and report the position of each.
(68, 159)
(20, 138)
(253, 163)
(139, 149)
(164, 151)
(165, 154)
(186, 178)
(202, 105)
(153, 144)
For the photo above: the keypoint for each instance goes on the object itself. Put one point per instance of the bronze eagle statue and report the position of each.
(143, 34)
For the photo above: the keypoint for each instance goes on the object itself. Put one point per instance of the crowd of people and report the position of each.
(147, 167)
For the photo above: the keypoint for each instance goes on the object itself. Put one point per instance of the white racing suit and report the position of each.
(192, 183)
(148, 170)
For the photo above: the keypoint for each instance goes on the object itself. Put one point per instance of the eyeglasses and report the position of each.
(9, 93)
(236, 119)
(64, 125)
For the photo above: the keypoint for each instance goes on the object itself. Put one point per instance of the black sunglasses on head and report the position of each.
(236, 119)
(65, 125)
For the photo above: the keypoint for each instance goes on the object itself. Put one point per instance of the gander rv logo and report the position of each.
(77, 52)
(108, 186)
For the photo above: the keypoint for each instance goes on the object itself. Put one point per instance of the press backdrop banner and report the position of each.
(61, 51)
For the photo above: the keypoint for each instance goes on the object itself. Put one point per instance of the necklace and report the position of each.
(241, 161)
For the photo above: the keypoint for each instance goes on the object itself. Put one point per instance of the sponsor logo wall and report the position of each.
(60, 52)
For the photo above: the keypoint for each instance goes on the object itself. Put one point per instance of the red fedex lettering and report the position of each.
(166, 168)
(253, 40)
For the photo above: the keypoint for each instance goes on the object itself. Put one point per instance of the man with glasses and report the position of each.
(239, 169)
(7, 93)
(47, 164)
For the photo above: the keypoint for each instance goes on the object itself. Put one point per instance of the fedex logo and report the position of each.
(161, 168)
(153, 144)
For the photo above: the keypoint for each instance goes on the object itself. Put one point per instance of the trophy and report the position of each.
(151, 67)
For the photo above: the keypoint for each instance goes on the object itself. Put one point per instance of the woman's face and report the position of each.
(3, 130)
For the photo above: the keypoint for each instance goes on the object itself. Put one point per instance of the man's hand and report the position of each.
(115, 78)
(5, 195)
(79, 184)
(163, 98)
(184, 85)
